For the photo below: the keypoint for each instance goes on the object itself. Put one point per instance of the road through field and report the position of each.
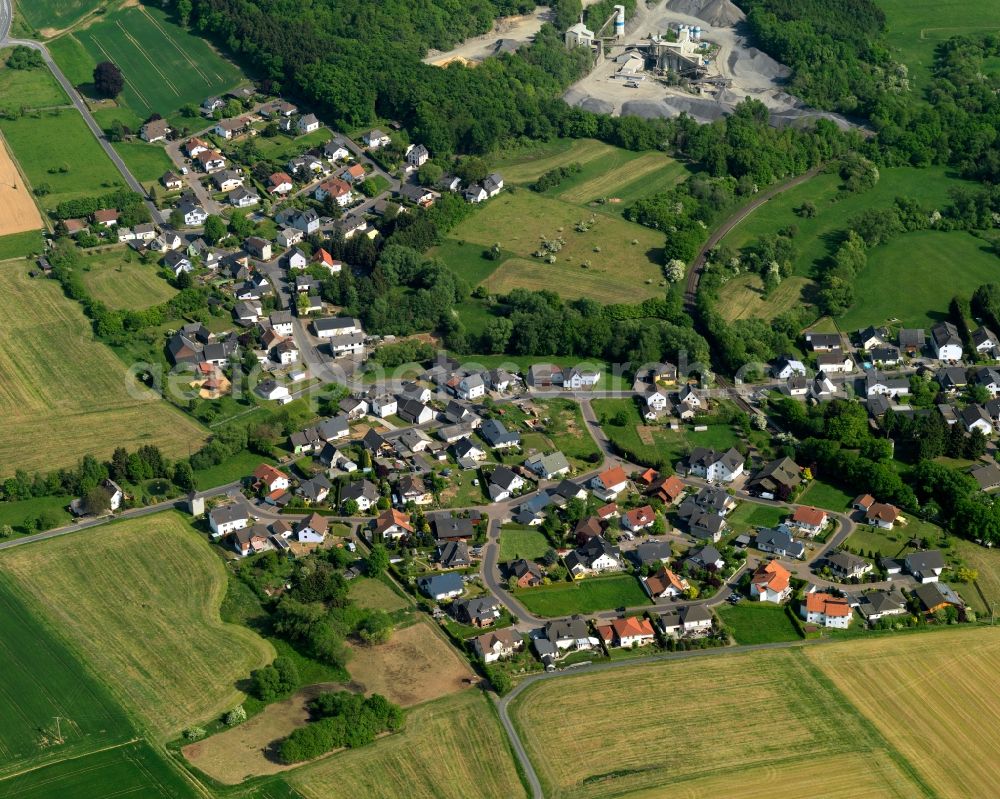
(6, 14)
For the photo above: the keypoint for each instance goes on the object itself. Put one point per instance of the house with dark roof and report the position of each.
(497, 436)
(936, 596)
(453, 555)
(715, 466)
(780, 542)
(440, 587)
(596, 556)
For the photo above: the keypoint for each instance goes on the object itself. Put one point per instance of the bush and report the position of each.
(235, 716)
(343, 720)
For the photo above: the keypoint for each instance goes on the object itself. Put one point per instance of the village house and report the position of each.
(628, 632)
(826, 610)
(440, 587)
(609, 484)
(527, 573)
(375, 138)
(937, 596)
(192, 213)
(571, 633)
(847, 565)
(453, 555)
(243, 198)
(227, 180)
(210, 161)
(497, 436)
(279, 183)
(155, 130)
(270, 479)
(416, 155)
(808, 520)
(316, 489)
(947, 342)
(596, 556)
(307, 124)
(504, 483)
(312, 529)
(881, 514)
(664, 584)
(669, 490)
(336, 188)
(548, 466)
(716, 467)
(777, 478)
(480, 611)
(771, 582)
(876, 605)
(363, 492)
(690, 620)
(497, 645)
(226, 519)
(638, 519)
(780, 542)
(172, 181)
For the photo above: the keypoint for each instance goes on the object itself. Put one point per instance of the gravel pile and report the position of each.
(718, 13)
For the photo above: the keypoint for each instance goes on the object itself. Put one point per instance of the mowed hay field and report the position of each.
(519, 219)
(18, 212)
(140, 601)
(450, 749)
(65, 395)
(933, 697)
(42, 679)
(743, 297)
(414, 666)
(707, 726)
(28, 88)
(119, 280)
(165, 67)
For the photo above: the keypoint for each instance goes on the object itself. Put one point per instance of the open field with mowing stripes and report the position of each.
(164, 66)
(933, 697)
(706, 727)
(66, 393)
(145, 616)
(450, 749)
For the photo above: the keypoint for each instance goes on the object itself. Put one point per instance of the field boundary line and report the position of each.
(176, 46)
(71, 758)
(138, 46)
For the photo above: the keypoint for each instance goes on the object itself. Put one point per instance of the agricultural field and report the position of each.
(912, 261)
(66, 393)
(453, 748)
(43, 679)
(931, 697)
(519, 220)
(49, 16)
(521, 542)
(916, 27)
(414, 666)
(28, 88)
(119, 280)
(717, 747)
(758, 623)
(165, 67)
(57, 150)
(145, 616)
(584, 596)
(987, 563)
(131, 770)
(743, 297)
(18, 212)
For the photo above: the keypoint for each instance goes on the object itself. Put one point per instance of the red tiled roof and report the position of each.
(882, 511)
(640, 516)
(827, 604)
(612, 477)
(772, 575)
(806, 514)
(632, 626)
(268, 473)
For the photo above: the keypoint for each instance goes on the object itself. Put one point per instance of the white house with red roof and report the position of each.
(809, 520)
(609, 483)
(826, 610)
(639, 518)
(664, 584)
(632, 631)
(771, 582)
(270, 479)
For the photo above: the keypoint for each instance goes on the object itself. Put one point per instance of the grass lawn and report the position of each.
(619, 271)
(20, 245)
(884, 543)
(912, 261)
(568, 433)
(749, 516)
(916, 27)
(422, 757)
(120, 280)
(584, 596)
(230, 470)
(28, 88)
(66, 393)
(517, 541)
(825, 496)
(569, 726)
(55, 148)
(987, 563)
(468, 259)
(16, 513)
(281, 148)
(145, 616)
(165, 66)
(146, 161)
(758, 622)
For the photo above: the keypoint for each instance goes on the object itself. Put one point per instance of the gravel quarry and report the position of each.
(749, 72)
